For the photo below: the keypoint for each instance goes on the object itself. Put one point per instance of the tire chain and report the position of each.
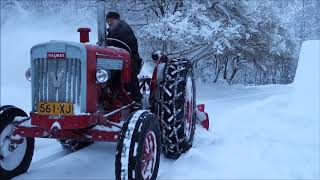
(171, 81)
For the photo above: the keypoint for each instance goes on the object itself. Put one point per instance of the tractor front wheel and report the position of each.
(139, 148)
(15, 159)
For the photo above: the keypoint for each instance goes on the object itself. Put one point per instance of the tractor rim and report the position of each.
(188, 109)
(11, 159)
(149, 155)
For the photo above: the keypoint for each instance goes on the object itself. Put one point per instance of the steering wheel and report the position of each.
(121, 42)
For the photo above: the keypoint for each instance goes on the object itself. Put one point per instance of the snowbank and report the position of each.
(305, 96)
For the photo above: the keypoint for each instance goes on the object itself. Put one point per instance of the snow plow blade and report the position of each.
(202, 116)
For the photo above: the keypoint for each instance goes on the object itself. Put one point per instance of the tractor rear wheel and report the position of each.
(15, 159)
(177, 105)
(139, 148)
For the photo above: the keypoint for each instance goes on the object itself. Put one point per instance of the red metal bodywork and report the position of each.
(94, 52)
(84, 34)
(82, 127)
(66, 122)
(205, 122)
(90, 135)
(77, 127)
(153, 83)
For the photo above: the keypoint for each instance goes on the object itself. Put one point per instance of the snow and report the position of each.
(306, 93)
(19, 119)
(135, 149)
(15, 137)
(191, 26)
(127, 142)
(27, 124)
(56, 125)
(160, 71)
(105, 128)
(269, 132)
(252, 136)
(201, 116)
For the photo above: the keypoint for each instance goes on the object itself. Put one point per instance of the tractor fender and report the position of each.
(160, 70)
(11, 109)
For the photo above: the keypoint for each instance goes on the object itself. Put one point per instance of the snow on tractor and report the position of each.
(81, 94)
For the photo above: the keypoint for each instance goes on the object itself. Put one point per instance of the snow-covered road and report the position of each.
(253, 134)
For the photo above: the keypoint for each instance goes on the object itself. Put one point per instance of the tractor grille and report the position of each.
(56, 80)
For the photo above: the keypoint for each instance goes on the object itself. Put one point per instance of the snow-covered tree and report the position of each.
(235, 41)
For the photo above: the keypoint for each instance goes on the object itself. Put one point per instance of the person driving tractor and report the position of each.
(120, 30)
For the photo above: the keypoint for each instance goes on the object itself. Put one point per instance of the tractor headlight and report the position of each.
(28, 74)
(102, 75)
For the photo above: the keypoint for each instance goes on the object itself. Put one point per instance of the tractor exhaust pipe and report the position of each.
(101, 20)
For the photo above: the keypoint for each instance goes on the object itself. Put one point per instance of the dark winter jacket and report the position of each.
(124, 33)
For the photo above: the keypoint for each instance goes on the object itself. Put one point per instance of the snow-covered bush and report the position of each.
(223, 39)
(189, 27)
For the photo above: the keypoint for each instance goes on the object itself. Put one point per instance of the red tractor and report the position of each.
(81, 94)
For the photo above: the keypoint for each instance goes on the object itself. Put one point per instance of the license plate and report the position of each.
(55, 108)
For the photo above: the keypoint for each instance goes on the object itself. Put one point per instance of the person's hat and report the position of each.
(113, 15)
